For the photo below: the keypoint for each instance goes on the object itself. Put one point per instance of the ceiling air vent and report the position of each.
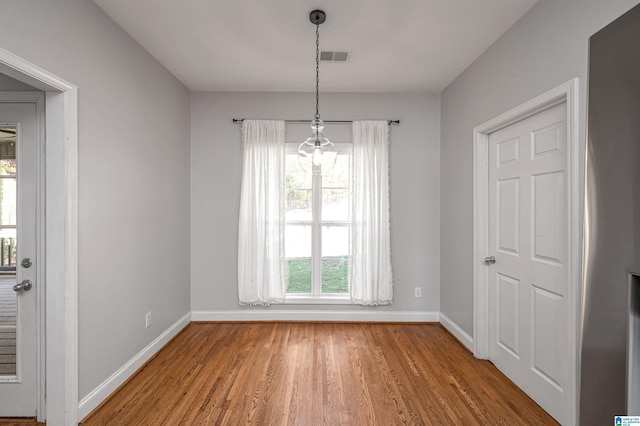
(335, 56)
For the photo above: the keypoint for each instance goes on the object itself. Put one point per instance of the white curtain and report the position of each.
(371, 278)
(261, 278)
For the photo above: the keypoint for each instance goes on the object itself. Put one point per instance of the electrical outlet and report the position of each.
(418, 292)
(147, 320)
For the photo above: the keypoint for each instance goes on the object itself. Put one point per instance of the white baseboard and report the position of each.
(455, 329)
(317, 315)
(106, 388)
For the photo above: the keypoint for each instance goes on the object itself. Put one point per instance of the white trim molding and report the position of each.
(61, 233)
(315, 315)
(457, 331)
(106, 388)
(566, 94)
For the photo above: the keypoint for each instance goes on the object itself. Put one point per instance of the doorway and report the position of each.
(60, 224)
(526, 247)
(21, 280)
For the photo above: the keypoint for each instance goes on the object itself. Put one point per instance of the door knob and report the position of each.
(490, 260)
(24, 285)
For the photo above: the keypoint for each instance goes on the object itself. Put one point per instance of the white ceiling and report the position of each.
(269, 45)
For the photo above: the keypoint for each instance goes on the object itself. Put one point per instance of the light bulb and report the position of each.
(317, 156)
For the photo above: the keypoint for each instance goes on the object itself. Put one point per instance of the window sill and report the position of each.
(342, 299)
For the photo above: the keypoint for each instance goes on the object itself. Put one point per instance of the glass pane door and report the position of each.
(8, 250)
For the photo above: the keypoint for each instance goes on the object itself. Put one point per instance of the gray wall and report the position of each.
(133, 176)
(216, 167)
(546, 48)
(8, 84)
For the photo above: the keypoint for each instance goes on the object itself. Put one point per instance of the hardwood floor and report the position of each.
(317, 373)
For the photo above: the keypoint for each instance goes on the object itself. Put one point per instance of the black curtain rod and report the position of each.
(240, 120)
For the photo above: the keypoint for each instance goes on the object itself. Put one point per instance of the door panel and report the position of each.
(548, 141)
(508, 152)
(508, 193)
(528, 236)
(18, 159)
(547, 336)
(508, 314)
(549, 212)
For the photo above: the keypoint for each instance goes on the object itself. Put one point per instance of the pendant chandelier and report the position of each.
(317, 153)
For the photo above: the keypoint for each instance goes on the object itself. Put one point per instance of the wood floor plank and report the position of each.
(315, 373)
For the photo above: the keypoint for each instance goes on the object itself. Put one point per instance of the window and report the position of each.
(8, 202)
(306, 237)
(317, 226)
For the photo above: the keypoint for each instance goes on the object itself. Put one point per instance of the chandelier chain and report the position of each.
(317, 71)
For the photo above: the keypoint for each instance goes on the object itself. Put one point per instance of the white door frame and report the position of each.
(60, 322)
(566, 93)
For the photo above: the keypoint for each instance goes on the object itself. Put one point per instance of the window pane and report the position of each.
(8, 201)
(297, 185)
(336, 242)
(8, 248)
(8, 251)
(7, 151)
(336, 193)
(8, 313)
(8, 167)
(297, 252)
(336, 204)
(340, 175)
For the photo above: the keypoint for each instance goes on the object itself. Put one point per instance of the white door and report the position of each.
(528, 235)
(18, 302)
